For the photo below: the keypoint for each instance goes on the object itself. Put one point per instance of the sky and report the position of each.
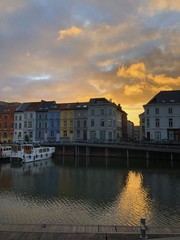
(74, 50)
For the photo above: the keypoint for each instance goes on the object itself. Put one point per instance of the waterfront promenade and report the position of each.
(82, 232)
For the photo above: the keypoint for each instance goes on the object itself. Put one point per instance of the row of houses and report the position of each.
(98, 120)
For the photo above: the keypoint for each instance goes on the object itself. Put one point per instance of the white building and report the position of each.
(104, 120)
(19, 122)
(162, 117)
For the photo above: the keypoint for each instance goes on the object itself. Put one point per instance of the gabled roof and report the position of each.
(98, 100)
(33, 106)
(22, 107)
(166, 97)
(81, 105)
(9, 109)
(46, 105)
(67, 106)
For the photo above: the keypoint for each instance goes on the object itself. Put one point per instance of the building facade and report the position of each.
(162, 117)
(104, 121)
(7, 123)
(80, 121)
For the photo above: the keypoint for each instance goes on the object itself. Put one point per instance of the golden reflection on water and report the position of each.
(134, 201)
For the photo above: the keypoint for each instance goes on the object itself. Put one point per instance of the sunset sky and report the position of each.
(74, 50)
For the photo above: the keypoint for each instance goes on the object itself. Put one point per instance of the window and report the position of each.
(157, 136)
(85, 123)
(52, 133)
(157, 122)
(20, 118)
(170, 122)
(148, 123)
(20, 125)
(39, 116)
(110, 112)
(40, 125)
(25, 124)
(147, 111)
(39, 135)
(65, 123)
(30, 134)
(5, 117)
(92, 134)
(109, 123)
(52, 123)
(102, 111)
(102, 122)
(65, 134)
(4, 135)
(31, 115)
(45, 125)
(71, 123)
(29, 124)
(92, 122)
(170, 110)
(92, 112)
(156, 110)
(78, 134)
(5, 125)
(78, 124)
(25, 115)
(102, 135)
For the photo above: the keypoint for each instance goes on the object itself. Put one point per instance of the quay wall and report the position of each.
(128, 151)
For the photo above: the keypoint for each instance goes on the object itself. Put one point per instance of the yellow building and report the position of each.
(67, 120)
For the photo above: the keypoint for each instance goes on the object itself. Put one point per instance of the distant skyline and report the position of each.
(69, 51)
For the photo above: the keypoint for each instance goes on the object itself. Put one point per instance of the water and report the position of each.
(66, 191)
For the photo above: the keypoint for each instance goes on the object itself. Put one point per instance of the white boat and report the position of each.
(5, 151)
(29, 153)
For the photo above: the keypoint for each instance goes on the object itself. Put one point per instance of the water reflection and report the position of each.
(134, 201)
(72, 192)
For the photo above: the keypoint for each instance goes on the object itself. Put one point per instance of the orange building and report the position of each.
(7, 123)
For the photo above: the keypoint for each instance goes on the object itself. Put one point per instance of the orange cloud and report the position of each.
(136, 70)
(71, 32)
(134, 89)
(163, 5)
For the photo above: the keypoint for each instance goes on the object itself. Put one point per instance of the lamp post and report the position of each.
(143, 228)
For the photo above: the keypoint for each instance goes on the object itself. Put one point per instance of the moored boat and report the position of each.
(5, 151)
(30, 153)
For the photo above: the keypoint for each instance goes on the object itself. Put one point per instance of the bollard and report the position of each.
(143, 228)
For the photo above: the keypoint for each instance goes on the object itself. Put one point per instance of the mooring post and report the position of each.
(87, 151)
(172, 163)
(143, 228)
(147, 159)
(63, 150)
(127, 154)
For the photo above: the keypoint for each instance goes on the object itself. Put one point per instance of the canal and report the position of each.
(68, 190)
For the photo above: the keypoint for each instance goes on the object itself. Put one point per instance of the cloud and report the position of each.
(71, 32)
(155, 6)
(136, 70)
(124, 50)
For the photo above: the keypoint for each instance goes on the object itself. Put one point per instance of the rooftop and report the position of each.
(166, 97)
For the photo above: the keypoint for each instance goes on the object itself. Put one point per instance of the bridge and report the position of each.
(121, 150)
